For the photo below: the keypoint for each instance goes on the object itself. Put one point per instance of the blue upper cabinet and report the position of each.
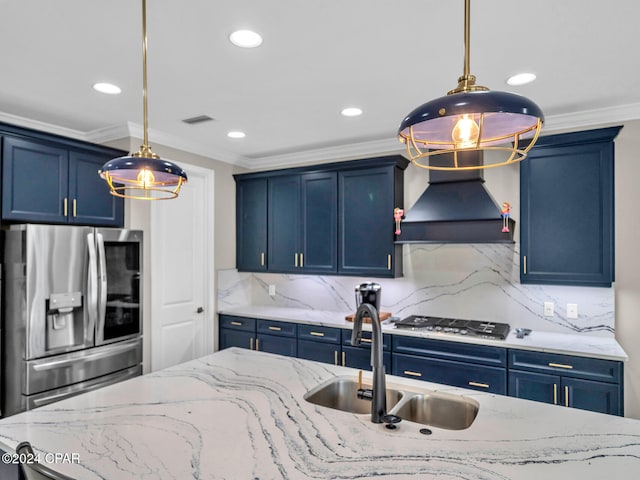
(49, 179)
(566, 210)
(251, 224)
(327, 219)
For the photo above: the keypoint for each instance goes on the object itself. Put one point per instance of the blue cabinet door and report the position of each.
(593, 396)
(566, 210)
(35, 181)
(236, 338)
(251, 224)
(89, 197)
(277, 344)
(319, 223)
(284, 223)
(535, 386)
(366, 226)
(319, 351)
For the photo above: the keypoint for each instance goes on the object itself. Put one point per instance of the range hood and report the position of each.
(455, 208)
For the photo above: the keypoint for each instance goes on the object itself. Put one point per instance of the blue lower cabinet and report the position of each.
(535, 386)
(324, 352)
(360, 358)
(236, 338)
(447, 372)
(277, 344)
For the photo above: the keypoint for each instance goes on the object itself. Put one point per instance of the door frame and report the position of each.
(208, 222)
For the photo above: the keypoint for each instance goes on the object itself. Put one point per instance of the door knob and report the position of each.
(200, 310)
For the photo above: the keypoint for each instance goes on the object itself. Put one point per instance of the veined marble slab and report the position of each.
(240, 414)
(563, 343)
(468, 281)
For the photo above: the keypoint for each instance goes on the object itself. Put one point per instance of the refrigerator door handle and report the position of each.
(102, 298)
(92, 290)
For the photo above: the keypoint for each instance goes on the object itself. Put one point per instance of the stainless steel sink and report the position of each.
(342, 394)
(441, 410)
(436, 409)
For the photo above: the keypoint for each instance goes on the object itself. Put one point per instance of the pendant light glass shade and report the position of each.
(471, 117)
(143, 175)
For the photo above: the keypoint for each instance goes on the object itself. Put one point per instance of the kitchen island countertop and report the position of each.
(240, 414)
(604, 347)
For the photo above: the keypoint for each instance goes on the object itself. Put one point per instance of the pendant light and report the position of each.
(470, 118)
(143, 175)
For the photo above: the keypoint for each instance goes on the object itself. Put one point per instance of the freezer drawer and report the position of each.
(71, 368)
(45, 398)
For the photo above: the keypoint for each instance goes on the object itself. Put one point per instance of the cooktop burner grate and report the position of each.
(471, 328)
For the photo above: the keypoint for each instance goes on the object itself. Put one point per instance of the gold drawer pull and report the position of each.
(366, 340)
(296, 260)
(335, 357)
(74, 208)
(317, 334)
(555, 393)
(257, 344)
(388, 262)
(525, 264)
(237, 324)
(251, 343)
(65, 206)
(560, 365)
(262, 259)
(477, 384)
(275, 329)
(344, 359)
(301, 260)
(566, 395)
(412, 374)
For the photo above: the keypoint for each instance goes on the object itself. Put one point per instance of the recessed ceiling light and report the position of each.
(351, 112)
(521, 79)
(108, 88)
(245, 39)
(236, 134)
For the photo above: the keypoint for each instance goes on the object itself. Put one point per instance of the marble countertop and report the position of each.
(562, 343)
(240, 414)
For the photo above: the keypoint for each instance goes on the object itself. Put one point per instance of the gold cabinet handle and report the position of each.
(257, 344)
(412, 374)
(555, 393)
(344, 359)
(524, 260)
(237, 324)
(560, 365)
(478, 384)
(251, 343)
(365, 340)
(295, 263)
(335, 357)
(389, 262)
(301, 260)
(566, 395)
(317, 334)
(65, 201)
(262, 259)
(74, 207)
(275, 329)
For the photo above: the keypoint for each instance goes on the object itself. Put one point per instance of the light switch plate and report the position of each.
(572, 310)
(272, 290)
(548, 309)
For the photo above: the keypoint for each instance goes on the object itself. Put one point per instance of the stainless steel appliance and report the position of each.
(72, 311)
(471, 328)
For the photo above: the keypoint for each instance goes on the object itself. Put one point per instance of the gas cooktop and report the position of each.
(471, 328)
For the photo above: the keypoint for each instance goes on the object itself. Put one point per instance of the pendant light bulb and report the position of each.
(465, 133)
(146, 178)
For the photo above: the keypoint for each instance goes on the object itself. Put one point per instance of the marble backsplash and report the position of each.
(470, 281)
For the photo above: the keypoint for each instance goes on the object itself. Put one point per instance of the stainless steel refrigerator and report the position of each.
(72, 319)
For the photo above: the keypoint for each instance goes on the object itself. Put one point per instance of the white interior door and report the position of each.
(182, 273)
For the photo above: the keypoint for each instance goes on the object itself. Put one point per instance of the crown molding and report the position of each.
(385, 146)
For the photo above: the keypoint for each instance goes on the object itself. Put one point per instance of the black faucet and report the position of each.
(379, 397)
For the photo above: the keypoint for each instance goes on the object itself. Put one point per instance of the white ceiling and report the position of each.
(385, 56)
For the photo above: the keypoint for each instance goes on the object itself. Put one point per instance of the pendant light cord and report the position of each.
(467, 36)
(144, 74)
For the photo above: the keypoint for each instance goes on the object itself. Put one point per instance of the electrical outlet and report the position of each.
(572, 310)
(272, 290)
(548, 309)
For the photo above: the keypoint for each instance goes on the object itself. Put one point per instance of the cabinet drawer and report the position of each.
(272, 327)
(566, 365)
(366, 339)
(447, 372)
(277, 344)
(465, 352)
(319, 334)
(237, 323)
